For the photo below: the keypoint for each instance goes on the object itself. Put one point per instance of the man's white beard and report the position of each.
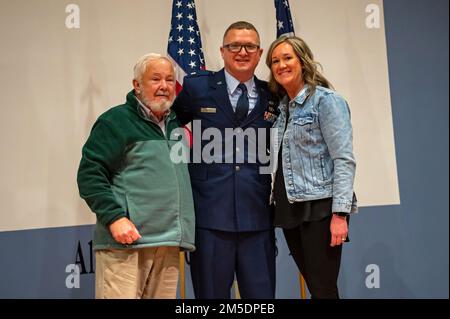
(157, 107)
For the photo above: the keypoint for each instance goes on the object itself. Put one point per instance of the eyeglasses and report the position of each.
(235, 47)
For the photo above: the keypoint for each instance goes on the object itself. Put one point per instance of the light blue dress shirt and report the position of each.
(234, 92)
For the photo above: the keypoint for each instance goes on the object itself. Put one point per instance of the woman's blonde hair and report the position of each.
(310, 68)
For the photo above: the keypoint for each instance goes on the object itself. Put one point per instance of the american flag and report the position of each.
(185, 45)
(284, 19)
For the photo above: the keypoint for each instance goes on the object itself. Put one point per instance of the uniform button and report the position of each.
(237, 149)
(238, 168)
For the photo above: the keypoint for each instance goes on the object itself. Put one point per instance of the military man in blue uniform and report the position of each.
(234, 220)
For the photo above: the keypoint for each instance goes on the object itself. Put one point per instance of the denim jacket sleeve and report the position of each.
(336, 127)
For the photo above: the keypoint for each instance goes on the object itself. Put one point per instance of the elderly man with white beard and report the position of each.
(142, 199)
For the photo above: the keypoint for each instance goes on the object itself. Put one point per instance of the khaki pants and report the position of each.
(137, 273)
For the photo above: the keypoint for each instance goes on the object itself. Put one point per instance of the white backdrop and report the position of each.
(56, 81)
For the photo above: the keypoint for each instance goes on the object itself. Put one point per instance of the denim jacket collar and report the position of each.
(298, 100)
(302, 95)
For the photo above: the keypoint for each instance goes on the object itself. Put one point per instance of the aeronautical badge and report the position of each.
(272, 111)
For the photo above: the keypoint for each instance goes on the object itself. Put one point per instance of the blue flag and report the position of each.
(284, 18)
(185, 45)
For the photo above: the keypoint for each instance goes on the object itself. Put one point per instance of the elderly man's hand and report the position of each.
(124, 231)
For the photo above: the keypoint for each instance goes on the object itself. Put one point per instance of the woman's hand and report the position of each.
(339, 230)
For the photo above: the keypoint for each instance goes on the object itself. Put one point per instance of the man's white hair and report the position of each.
(141, 65)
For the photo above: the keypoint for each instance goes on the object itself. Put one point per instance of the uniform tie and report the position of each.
(242, 104)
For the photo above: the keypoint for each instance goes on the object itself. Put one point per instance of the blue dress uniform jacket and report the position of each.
(228, 195)
(234, 221)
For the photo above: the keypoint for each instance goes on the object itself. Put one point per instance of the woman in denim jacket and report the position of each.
(313, 185)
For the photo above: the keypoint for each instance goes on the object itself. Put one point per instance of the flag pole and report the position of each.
(182, 276)
(302, 286)
(184, 49)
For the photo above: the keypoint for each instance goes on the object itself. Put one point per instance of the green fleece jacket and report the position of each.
(126, 171)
